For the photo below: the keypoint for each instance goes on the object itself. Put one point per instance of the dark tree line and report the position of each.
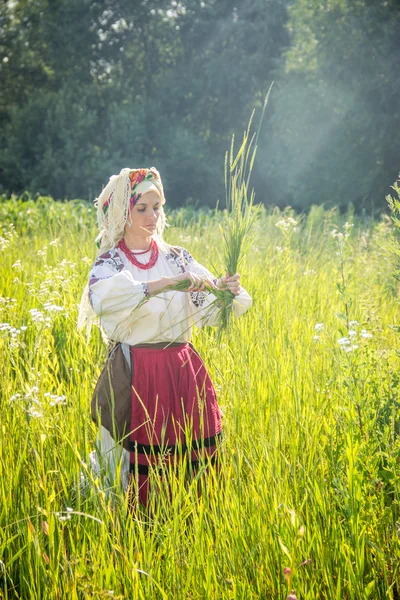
(91, 87)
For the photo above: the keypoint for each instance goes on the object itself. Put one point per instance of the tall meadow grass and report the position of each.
(307, 494)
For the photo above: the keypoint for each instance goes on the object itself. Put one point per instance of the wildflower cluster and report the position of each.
(346, 227)
(35, 407)
(52, 283)
(7, 311)
(8, 237)
(54, 399)
(47, 315)
(64, 516)
(287, 224)
(14, 332)
(6, 302)
(318, 327)
(341, 237)
(346, 343)
(43, 252)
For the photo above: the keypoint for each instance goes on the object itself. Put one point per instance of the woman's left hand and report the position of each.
(232, 283)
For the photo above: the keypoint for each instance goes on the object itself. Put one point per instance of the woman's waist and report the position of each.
(159, 345)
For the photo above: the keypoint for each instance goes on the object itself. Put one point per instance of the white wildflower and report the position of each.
(4, 243)
(36, 315)
(364, 334)
(64, 518)
(354, 323)
(15, 397)
(34, 413)
(319, 326)
(16, 265)
(56, 399)
(53, 307)
(348, 226)
(316, 338)
(352, 333)
(351, 348)
(55, 242)
(286, 224)
(344, 341)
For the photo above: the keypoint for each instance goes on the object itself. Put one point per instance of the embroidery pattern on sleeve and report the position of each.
(198, 298)
(146, 290)
(109, 259)
(181, 258)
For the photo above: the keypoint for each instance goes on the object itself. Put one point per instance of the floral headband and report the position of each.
(136, 177)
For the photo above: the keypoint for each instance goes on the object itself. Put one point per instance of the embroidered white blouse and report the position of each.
(119, 295)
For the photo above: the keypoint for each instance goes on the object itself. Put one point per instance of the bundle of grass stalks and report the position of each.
(241, 213)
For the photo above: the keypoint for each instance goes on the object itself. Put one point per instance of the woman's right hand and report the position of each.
(195, 282)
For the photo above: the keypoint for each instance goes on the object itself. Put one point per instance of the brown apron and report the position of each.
(111, 404)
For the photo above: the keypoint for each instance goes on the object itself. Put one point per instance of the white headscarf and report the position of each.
(114, 206)
(117, 199)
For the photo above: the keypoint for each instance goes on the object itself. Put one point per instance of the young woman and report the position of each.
(147, 295)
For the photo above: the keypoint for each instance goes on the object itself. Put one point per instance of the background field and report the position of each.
(309, 476)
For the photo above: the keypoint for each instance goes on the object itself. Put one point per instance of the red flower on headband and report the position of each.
(137, 176)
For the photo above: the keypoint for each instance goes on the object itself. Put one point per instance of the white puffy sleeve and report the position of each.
(113, 292)
(203, 307)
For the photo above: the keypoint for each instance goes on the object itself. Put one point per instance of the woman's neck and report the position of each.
(135, 242)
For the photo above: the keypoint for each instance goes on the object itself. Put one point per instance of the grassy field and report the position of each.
(308, 493)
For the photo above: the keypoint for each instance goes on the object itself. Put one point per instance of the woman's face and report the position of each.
(145, 215)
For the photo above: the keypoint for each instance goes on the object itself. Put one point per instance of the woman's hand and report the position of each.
(195, 282)
(230, 283)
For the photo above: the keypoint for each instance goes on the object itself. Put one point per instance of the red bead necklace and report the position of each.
(132, 258)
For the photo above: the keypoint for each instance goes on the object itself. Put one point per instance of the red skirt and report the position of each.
(175, 412)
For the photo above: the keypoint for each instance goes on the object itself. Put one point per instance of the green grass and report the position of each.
(310, 458)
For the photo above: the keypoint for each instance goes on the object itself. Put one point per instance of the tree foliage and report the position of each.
(337, 104)
(92, 87)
